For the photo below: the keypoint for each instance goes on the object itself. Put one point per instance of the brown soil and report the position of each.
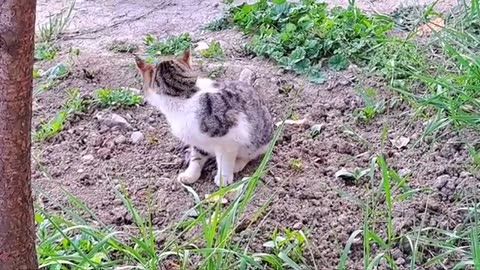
(306, 198)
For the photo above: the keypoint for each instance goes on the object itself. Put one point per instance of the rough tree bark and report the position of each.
(17, 232)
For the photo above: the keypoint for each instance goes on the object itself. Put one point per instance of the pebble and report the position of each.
(88, 157)
(404, 172)
(137, 137)
(112, 120)
(441, 181)
(120, 139)
(400, 261)
(297, 226)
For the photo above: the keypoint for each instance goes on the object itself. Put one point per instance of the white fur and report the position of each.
(230, 150)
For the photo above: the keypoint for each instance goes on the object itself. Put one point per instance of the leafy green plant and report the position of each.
(300, 35)
(296, 164)
(118, 97)
(372, 107)
(45, 51)
(73, 104)
(291, 244)
(56, 24)
(214, 50)
(218, 24)
(171, 46)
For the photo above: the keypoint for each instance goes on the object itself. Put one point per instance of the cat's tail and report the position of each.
(247, 76)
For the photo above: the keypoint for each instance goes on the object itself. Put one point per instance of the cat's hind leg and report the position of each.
(195, 165)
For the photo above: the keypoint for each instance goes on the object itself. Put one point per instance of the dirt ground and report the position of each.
(92, 160)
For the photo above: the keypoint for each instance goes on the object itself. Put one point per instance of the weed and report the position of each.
(118, 97)
(170, 46)
(216, 72)
(119, 46)
(36, 73)
(291, 243)
(392, 188)
(299, 35)
(296, 164)
(73, 104)
(45, 51)
(372, 106)
(218, 24)
(214, 50)
(56, 24)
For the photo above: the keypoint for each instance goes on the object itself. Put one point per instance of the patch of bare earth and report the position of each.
(92, 160)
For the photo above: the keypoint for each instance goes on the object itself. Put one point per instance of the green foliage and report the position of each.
(214, 50)
(73, 104)
(219, 24)
(120, 46)
(378, 207)
(291, 243)
(372, 107)
(55, 25)
(171, 46)
(299, 35)
(118, 97)
(45, 51)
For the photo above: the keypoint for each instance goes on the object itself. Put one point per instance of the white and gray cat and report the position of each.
(227, 120)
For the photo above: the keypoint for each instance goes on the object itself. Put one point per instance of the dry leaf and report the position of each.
(434, 25)
(400, 142)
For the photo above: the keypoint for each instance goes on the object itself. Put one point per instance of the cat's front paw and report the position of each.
(187, 178)
(223, 180)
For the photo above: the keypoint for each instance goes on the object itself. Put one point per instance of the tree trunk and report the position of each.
(17, 230)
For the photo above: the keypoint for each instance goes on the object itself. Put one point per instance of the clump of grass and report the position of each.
(171, 46)
(296, 164)
(219, 24)
(392, 188)
(56, 24)
(118, 97)
(45, 51)
(120, 46)
(299, 35)
(73, 104)
(372, 107)
(214, 50)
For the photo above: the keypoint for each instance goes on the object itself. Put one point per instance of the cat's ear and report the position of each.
(187, 57)
(141, 65)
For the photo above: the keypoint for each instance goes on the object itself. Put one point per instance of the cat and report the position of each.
(227, 120)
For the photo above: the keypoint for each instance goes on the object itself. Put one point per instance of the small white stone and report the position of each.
(88, 157)
(137, 137)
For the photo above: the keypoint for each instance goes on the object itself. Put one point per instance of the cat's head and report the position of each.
(173, 76)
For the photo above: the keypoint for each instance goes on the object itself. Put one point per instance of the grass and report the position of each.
(72, 105)
(174, 45)
(372, 107)
(55, 25)
(119, 46)
(45, 51)
(214, 51)
(119, 97)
